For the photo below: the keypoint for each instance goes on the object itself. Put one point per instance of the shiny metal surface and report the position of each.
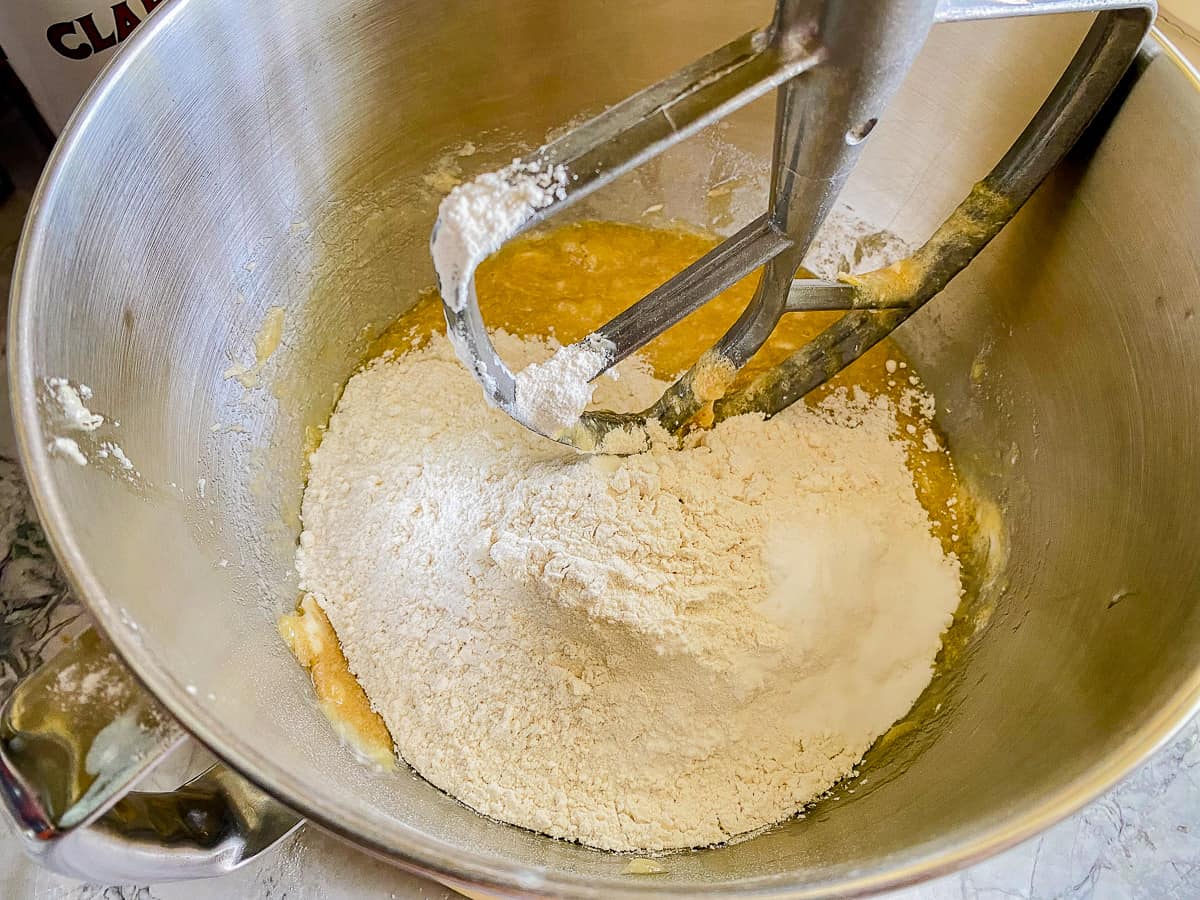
(278, 158)
(76, 737)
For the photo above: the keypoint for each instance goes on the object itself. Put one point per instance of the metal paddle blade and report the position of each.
(834, 65)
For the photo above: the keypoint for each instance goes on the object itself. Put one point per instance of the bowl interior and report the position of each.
(240, 158)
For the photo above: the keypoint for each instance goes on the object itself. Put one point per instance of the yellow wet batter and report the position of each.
(565, 282)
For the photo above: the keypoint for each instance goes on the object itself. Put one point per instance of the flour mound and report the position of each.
(638, 653)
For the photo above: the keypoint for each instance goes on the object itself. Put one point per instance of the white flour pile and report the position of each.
(658, 651)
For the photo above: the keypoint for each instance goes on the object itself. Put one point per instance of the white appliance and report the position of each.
(57, 47)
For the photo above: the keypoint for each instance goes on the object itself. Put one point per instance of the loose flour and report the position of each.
(640, 653)
(475, 218)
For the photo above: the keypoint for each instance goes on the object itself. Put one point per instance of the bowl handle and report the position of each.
(75, 737)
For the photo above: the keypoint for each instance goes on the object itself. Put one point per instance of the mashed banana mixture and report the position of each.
(638, 653)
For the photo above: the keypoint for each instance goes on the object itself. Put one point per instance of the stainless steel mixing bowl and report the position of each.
(243, 156)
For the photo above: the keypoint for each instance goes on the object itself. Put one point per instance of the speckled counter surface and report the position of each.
(1142, 840)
